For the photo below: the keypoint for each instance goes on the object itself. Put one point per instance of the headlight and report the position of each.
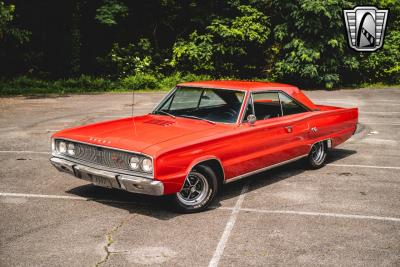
(71, 149)
(134, 163)
(147, 165)
(62, 147)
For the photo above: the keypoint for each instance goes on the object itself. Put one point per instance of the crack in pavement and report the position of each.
(110, 241)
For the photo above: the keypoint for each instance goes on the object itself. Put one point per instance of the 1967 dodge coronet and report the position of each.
(202, 135)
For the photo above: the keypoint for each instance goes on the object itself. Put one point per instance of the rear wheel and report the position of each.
(198, 191)
(317, 157)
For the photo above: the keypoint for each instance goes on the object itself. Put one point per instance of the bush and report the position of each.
(25, 82)
(190, 77)
(85, 83)
(140, 81)
(384, 65)
(170, 81)
(26, 85)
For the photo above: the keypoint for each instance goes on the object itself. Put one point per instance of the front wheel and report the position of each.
(317, 157)
(198, 191)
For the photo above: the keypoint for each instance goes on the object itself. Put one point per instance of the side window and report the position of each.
(248, 111)
(289, 106)
(210, 98)
(266, 105)
(167, 104)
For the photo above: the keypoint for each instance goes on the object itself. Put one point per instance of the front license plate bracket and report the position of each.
(95, 179)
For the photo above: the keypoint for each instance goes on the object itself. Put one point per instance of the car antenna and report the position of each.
(133, 106)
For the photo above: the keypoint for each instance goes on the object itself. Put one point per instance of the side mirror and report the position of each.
(251, 119)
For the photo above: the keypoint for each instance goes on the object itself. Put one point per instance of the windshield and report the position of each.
(215, 105)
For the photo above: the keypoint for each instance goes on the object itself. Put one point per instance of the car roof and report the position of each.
(239, 85)
(250, 86)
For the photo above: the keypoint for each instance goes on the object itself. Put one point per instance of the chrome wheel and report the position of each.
(194, 190)
(318, 153)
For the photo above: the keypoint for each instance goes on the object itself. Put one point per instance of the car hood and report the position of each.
(135, 134)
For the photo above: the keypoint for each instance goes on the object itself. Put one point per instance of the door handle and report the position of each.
(289, 129)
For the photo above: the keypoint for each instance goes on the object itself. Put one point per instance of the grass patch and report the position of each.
(86, 84)
(380, 86)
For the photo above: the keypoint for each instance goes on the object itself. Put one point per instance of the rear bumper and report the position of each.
(109, 179)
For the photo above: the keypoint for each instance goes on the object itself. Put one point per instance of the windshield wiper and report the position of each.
(197, 118)
(166, 113)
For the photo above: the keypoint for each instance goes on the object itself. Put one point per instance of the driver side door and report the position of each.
(275, 137)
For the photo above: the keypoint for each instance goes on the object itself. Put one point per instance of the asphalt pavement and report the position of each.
(347, 213)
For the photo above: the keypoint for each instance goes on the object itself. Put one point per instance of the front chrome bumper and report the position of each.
(109, 179)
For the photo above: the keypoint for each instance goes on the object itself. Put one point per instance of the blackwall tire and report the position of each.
(317, 156)
(198, 192)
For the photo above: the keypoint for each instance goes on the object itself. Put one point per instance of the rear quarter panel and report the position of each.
(335, 123)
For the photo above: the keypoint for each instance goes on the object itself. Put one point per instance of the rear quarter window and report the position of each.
(290, 106)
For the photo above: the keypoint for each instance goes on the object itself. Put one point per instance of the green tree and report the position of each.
(76, 39)
(130, 59)
(7, 30)
(228, 46)
(384, 65)
(108, 13)
(311, 43)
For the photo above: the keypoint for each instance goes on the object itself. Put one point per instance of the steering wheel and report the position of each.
(230, 112)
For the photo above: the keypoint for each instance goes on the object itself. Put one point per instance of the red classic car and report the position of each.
(202, 135)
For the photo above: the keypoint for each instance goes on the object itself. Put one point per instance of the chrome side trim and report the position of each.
(329, 145)
(263, 169)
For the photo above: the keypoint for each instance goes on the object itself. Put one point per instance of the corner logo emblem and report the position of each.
(365, 27)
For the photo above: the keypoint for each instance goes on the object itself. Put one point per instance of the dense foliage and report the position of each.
(154, 44)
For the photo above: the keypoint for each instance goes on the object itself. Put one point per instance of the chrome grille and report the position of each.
(102, 156)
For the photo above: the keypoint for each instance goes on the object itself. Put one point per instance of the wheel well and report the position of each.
(326, 142)
(216, 166)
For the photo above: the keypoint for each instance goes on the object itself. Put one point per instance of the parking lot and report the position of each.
(347, 213)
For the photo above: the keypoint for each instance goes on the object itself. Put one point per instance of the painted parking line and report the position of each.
(347, 99)
(319, 214)
(380, 123)
(355, 102)
(364, 166)
(377, 141)
(228, 228)
(23, 152)
(42, 196)
(232, 219)
(21, 195)
(380, 112)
